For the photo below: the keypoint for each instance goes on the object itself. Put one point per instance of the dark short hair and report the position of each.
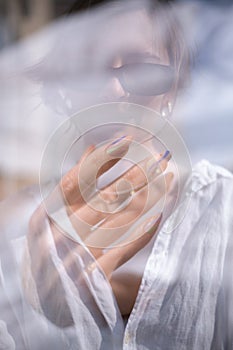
(81, 5)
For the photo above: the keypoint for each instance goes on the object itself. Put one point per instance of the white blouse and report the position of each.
(185, 299)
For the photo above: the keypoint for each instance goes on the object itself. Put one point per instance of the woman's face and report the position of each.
(114, 50)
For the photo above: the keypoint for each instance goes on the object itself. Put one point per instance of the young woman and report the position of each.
(82, 294)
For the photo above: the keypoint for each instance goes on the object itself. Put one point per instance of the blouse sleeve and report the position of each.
(50, 303)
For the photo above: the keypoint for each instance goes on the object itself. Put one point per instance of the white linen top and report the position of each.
(185, 300)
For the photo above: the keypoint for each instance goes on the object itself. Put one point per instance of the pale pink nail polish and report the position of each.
(118, 147)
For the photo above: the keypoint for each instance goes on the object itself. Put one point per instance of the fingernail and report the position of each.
(118, 147)
(167, 155)
(153, 166)
(152, 224)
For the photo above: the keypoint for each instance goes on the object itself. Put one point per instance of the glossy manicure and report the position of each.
(154, 167)
(118, 147)
(167, 155)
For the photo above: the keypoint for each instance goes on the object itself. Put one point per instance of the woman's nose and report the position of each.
(114, 90)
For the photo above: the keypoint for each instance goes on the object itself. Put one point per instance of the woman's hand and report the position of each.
(140, 184)
(139, 187)
(142, 181)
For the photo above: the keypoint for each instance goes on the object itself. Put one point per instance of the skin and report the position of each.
(121, 39)
(81, 216)
(94, 162)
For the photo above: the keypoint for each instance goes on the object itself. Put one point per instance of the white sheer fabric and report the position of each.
(184, 301)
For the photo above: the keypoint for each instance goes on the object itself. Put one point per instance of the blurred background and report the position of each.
(204, 110)
(19, 19)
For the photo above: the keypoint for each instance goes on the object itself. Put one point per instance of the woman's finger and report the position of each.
(101, 160)
(137, 176)
(80, 181)
(141, 202)
(110, 199)
(116, 257)
(110, 228)
(69, 184)
(115, 226)
(157, 189)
